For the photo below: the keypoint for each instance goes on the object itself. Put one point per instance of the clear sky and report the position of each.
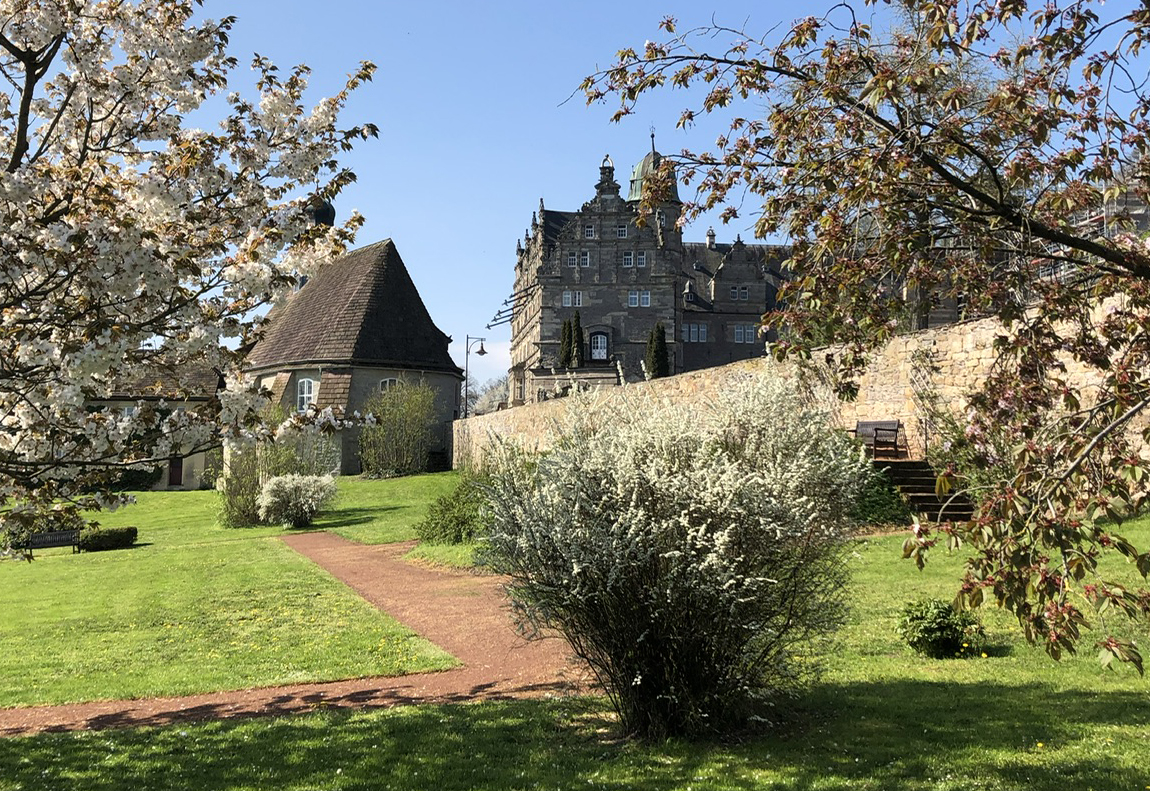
(476, 124)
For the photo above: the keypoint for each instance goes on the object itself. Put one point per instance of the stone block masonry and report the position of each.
(962, 355)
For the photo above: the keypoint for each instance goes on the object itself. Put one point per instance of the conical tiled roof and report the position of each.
(360, 309)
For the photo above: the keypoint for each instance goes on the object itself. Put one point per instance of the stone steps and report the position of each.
(916, 481)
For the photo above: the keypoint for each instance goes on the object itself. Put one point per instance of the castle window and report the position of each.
(642, 258)
(578, 299)
(632, 299)
(689, 296)
(694, 333)
(304, 394)
(584, 258)
(387, 384)
(750, 333)
(734, 292)
(738, 333)
(620, 231)
(645, 299)
(566, 299)
(628, 258)
(661, 218)
(744, 292)
(599, 346)
(571, 259)
(588, 231)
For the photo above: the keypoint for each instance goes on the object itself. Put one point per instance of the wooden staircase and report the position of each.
(916, 481)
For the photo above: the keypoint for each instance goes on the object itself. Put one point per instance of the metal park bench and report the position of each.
(879, 435)
(52, 538)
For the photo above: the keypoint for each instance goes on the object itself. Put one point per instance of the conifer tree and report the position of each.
(565, 344)
(577, 342)
(657, 361)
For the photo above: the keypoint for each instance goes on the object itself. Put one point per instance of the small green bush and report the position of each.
(881, 504)
(936, 629)
(459, 516)
(97, 539)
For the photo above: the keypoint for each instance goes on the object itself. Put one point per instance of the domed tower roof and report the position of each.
(648, 165)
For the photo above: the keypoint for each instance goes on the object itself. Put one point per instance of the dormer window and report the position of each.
(304, 394)
(688, 296)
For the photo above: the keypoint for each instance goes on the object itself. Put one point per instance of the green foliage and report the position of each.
(97, 539)
(936, 629)
(693, 558)
(657, 360)
(566, 350)
(577, 342)
(458, 517)
(398, 442)
(294, 500)
(880, 503)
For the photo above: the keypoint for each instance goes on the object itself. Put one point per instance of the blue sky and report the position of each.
(476, 124)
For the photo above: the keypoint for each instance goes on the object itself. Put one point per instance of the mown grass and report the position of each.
(457, 556)
(882, 719)
(384, 511)
(193, 608)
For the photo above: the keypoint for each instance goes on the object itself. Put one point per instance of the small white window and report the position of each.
(628, 258)
(620, 231)
(744, 292)
(387, 384)
(129, 411)
(642, 258)
(578, 299)
(751, 333)
(588, 231)
(645, 299)
(734, 292)
(702, 333)
(584, 258)
(738, 333)
(571, 259)
(694, 333)
(566, 299)
(632, 299)
(305, 394)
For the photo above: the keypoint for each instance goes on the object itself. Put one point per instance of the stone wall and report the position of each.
(961, 355)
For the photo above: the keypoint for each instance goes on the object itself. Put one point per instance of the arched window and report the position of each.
(386, 384)
(599, 347)
(304, 394)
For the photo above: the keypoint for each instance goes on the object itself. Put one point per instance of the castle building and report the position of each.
(623, 278)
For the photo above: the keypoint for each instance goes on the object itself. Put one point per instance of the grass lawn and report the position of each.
(194, 608)
(386, 511)
(457, 556)
(883, 719)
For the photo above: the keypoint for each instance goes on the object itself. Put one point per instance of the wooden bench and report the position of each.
(51, 538)
(879, 435)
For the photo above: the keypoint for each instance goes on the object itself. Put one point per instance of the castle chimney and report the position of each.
(710, 238)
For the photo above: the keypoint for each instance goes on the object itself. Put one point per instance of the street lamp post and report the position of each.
(467, 369)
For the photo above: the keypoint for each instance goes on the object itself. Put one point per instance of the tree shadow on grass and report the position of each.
(886, 735)
(349, 517)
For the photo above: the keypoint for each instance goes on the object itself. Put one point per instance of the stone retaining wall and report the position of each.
(962, 355)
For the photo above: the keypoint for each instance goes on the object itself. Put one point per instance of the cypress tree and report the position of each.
(656, 359)
(577, 343)
(565, 344)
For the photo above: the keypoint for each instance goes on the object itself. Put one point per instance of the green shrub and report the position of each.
(881, 504)
(398, 440)
(458, 517)
(936, 629)
(97, 539)
(294, 500)
(692, 556)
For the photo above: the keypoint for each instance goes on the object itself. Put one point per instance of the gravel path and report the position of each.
(463, 613)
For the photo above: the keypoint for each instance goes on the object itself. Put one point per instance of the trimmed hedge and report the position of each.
(96, 539)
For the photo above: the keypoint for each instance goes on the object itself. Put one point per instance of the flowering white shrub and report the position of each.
(690, 554)
(294, 500)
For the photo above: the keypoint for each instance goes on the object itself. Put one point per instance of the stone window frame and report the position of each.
(620, 231)
(387, 383)
(584, 258)
(567, 299)
(744, 292)
(588, 231)
(734, 292)
(628, 258)
(641, 258)
(644, 299)
(305, 393)
(633, 298)
(738, 333)
(578, 298)
(606, 345)
(571, 259)
(694, 333)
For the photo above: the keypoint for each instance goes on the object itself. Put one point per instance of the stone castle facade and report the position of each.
(623, 278)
